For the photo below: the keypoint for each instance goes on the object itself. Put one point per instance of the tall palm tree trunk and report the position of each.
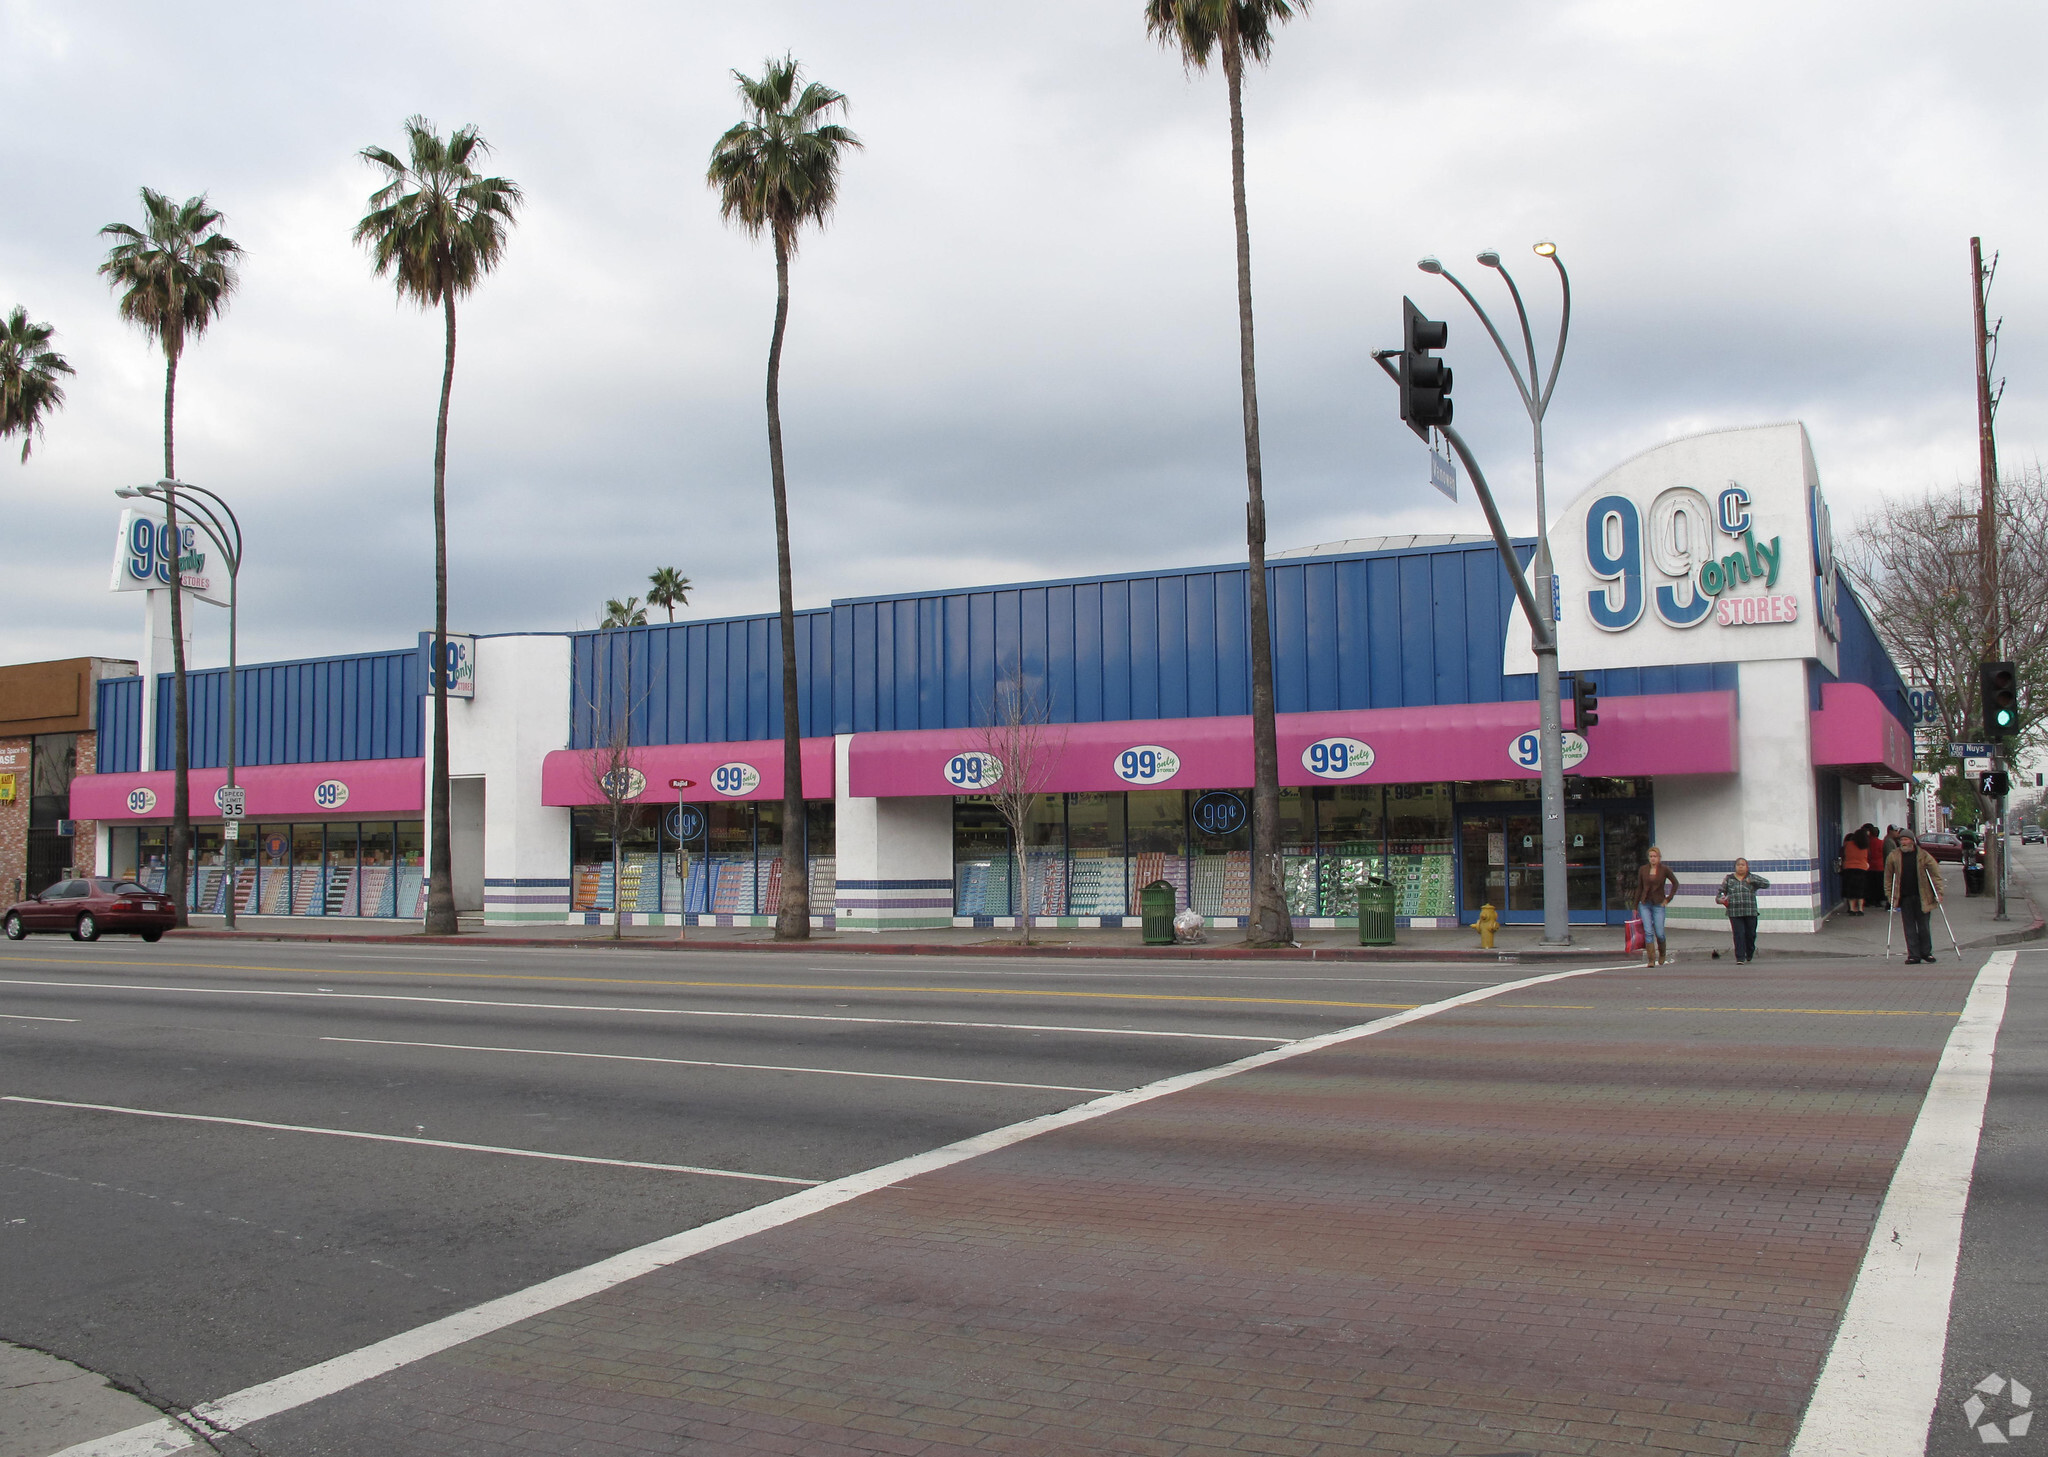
(793, 913)
(1270, 922)
(441, 862)
(176, 875)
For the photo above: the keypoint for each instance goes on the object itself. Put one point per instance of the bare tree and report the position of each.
(1018, 748)
(612, 771)
(1915, 556)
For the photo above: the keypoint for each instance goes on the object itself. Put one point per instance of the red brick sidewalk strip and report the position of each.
(1529, 1225)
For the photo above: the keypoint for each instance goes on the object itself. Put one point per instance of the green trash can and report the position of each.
(1376, 913)
(1155, 905)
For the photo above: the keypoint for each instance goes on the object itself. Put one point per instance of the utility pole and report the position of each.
(1987, 516)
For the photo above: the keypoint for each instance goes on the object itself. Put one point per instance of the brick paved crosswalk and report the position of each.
(1612, 1215)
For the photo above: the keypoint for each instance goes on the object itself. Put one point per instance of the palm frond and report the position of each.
(1197, 28)
(436, 227)
(29, 370)
(176, 273)
(779, 167)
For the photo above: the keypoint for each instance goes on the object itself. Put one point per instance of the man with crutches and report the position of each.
(1912, 883)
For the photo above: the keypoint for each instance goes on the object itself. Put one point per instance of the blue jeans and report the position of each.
(1653, 920)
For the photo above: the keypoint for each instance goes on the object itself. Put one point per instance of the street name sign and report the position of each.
(1969, 751)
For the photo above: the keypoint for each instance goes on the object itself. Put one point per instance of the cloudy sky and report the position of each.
(1012, 354)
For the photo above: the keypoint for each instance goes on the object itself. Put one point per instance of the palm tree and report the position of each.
(174, 275)
(628, 613)
(29, 390)
(1241, 30)
(773, 172)
(437, 228)
(668, 588)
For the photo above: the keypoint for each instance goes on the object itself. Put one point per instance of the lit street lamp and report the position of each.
(1535, 391)
(218, 521)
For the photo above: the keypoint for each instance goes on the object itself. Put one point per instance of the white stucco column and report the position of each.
(520, 714)
(895, 857)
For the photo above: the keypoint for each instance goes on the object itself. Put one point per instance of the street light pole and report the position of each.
(1535, 391)
(226, 535)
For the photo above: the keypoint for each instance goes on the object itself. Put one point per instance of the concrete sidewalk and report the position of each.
(1842, 936)
(1598, 1216)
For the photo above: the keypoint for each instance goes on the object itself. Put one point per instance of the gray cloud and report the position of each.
(1013, 353)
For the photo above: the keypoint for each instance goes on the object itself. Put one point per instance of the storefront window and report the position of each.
(1348, 844)
(1297, 841)
(983, 873)
(1220, 852)
(1157, 830)
(1419, 840)
(344, 849)
(1096, 866)
(821, 832)
(410, 902)
(376, 890)
(309, 870)
(271, 895)
(768, 856)
(206, 886)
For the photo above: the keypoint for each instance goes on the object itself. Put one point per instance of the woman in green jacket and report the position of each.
(1738, 894)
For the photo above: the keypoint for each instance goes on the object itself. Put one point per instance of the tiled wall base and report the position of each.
(1790, 904)
(677, 918)
(1085, 923)
(525, 902)
(893, 905)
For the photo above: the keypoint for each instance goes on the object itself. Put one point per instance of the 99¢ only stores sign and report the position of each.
(1715, 548)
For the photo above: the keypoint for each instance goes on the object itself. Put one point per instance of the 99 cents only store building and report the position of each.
(1747, 708)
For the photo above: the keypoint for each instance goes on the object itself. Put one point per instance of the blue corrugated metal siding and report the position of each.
(1385, 630)
(311, 711)
(699, 682)
(1390, 630)
(117, 718)
(1862, 658)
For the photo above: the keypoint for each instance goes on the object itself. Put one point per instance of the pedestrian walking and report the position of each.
(1855, 869)
(1656, 883)
(1738, 894)
(1912, 881)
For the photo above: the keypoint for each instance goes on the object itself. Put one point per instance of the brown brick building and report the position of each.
(46, 737)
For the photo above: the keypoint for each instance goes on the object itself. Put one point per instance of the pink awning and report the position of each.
(753, 771)
(1671, 733)
(352, 789)
(1857, 737)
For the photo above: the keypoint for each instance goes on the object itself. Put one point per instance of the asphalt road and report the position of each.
(187, 1259)
(1998, 1326)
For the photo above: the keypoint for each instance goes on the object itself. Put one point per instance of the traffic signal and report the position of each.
(1994, 785)
(2000, 683)
(1585, 704)
(1425, 379)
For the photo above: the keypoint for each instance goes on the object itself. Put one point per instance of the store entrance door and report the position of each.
(1501, 862)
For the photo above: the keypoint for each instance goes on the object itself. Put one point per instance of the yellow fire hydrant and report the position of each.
(1488, 923)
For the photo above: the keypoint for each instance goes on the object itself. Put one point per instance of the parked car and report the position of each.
(1943, 845)
(86, 908)
(2033, 835)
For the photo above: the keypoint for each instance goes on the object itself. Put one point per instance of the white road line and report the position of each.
(18, 1017)
(1878, 1387)
(524, 1153)
(757, 1067)
(634, 1011)
(254, 1403)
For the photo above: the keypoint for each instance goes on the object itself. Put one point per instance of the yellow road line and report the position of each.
(1813, 1011)
(759, 986)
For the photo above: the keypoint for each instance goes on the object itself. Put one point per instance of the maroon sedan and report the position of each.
(86, 908)
(1944, 845)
